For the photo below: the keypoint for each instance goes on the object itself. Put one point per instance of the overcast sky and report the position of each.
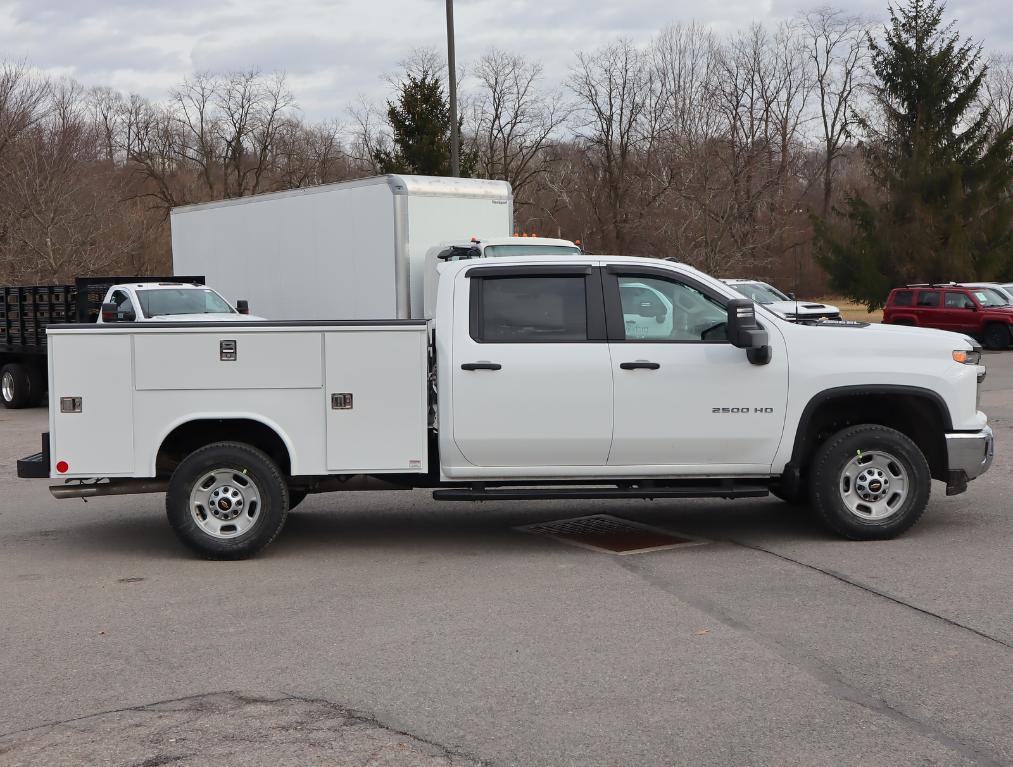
(335, 50)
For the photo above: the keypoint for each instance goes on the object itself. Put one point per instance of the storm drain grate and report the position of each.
(614, 535)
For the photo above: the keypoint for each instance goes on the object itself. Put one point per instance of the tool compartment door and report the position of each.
(98, 441)
(376, 400)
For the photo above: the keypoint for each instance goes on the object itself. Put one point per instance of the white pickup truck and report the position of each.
(538, 378)
(163, 301)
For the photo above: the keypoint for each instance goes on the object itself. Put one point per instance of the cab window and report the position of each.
(124, 306)
(659, 309)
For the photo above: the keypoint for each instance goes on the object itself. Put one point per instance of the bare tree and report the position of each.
(619, 101)
(837, 50)
(23, 101)
(513, 121)
(997, 93)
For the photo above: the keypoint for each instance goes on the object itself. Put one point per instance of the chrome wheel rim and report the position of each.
(225, 503)
(7, 386)
(874, 485)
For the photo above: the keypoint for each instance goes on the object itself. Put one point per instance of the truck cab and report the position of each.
(168, 301)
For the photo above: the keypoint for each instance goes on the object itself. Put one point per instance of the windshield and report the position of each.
(497, 251)
(760, 292)
(989, 297)
(167, 302)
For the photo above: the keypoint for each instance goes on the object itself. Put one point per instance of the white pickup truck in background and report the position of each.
(163, 301)
(539, 377)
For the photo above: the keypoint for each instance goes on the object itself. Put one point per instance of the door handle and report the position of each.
(639, 365)
(481, 366)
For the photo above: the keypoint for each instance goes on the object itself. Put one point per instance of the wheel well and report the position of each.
(193, 435)
(920, 415)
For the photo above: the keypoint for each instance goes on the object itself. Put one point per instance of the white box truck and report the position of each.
(353, 250)
(539, 377)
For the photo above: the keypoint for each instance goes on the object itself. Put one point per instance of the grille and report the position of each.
(613, 535)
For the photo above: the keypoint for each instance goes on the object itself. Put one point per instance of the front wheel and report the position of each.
(870, 482)
(227, 500)
(996, 336)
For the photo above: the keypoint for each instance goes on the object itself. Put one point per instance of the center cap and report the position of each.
(875, 486)
(224, 504)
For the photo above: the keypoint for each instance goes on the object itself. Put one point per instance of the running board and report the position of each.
(599, 493)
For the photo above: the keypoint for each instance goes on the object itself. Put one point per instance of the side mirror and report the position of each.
(243, 306)
(792, 296)
(109, 313)
(744, 332)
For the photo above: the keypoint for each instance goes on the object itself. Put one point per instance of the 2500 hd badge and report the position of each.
(742, 410)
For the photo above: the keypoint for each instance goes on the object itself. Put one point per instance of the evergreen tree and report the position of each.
(941, 207)
(420, 123)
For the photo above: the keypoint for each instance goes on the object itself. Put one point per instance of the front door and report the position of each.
(531, 375)
(961, 312)
(684, 396)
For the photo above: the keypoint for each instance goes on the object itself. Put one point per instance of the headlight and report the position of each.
(966, 357)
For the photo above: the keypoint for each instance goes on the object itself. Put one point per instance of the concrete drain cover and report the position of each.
(614, 535)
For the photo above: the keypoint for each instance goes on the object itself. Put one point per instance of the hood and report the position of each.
(803, 308)
(900, 332)
(206, 318)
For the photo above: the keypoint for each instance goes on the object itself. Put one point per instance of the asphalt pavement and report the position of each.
(388, 629)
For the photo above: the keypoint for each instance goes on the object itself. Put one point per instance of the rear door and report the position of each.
(684, 396)
(929, 310)
(531, 373)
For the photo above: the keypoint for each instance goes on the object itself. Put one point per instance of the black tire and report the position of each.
(15, 386)
(269, 494)
(36, 386)
(295, 497)
(996, 336)
(827, 479)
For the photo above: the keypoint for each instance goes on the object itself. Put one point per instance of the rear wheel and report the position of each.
(870, 482)
(36, 386)
(15, 386)
(996, 336)
(227, 501)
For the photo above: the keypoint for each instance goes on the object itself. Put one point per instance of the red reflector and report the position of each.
(62, 466)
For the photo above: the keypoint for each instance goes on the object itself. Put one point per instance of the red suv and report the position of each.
(979, 312)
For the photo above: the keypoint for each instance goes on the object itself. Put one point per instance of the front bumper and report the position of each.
(969, 455)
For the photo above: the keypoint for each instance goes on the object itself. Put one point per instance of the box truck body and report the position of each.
(353, 250)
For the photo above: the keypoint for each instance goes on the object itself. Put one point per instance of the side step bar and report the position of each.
(596, 493)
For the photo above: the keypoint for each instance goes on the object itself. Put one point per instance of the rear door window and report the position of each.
(531, 309)
(928, 299)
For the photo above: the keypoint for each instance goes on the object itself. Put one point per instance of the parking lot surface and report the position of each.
(388, 629)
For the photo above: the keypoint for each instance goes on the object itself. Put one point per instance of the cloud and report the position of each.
(334, 50)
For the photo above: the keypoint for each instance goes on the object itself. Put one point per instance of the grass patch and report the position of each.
(852, 311)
